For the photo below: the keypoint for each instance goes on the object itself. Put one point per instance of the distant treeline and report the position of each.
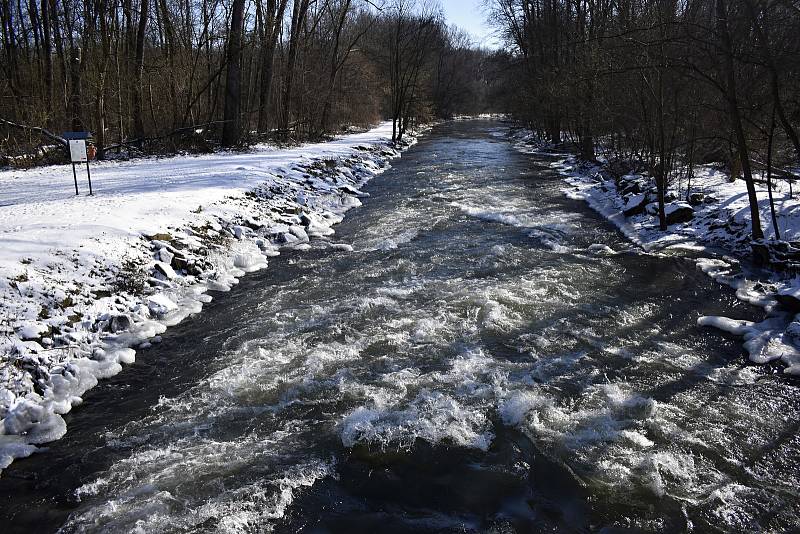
(163, 75)
(661, 84)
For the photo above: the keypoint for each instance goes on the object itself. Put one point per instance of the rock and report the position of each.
(162, 236)
(194, 269)
(286, 238)
(299, 232)
(630, 188)
(670, 196)
(254, 224)
(29, 330)
(179, 262)
(160, 305)
(166, 272)
(190, 266)
(678, 212)
(789, 299)
(239, 231)
(353, 191)
(120, 323)
(635, 204)
(652, 209)
(781, 246)
(695, 199)
(165, 255)
(793, 330)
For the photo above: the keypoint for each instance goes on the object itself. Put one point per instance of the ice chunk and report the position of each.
(160, 304)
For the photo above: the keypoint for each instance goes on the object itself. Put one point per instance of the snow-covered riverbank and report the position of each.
(717, 219)
(84, 281)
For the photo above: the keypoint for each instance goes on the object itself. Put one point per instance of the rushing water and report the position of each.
(491, 357)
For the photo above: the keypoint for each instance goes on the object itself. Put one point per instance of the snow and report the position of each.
(733, 326)
(84, 279)
(160, 305)
(672, 207)
(720, 222)
(634, 200)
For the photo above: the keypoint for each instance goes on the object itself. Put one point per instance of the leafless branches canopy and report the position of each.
(663, 84)
(144, 73)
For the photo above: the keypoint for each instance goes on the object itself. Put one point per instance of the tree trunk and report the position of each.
(272, 30)
(326, 108)
(774, 81)
(769, 176)
(735, 117)
(298, 18)
(75, 96)
(48, 60)
(138, 72)
(231, 131)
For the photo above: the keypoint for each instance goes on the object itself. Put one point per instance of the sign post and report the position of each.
(78, 154)
(75, 177)
(88, 172)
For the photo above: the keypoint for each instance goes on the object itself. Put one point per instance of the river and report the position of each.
(491, 356)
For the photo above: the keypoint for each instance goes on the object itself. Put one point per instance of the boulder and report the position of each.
(160, 305)
(793, 330)
(164, 270)
(161, 236)
(635, 204)
(695, 199)
(239, 231)
(678, 212)
(165, 255)
(790, 299)
(30, 330)
(179, 262)
(119, 323)
(630, 188)
(299, 232)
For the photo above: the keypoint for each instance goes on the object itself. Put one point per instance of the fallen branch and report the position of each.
(41, 131)
(173, 133)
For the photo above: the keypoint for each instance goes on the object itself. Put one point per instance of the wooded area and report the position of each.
(661, 85)
(156, 76)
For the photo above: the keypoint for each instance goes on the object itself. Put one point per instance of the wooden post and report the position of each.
(75, 177)
(89, 176)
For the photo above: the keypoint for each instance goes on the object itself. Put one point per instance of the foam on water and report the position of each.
(182, 486)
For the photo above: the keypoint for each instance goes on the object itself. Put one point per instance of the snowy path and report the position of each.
(39, 210)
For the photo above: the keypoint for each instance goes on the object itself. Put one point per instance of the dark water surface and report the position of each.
(474, 365)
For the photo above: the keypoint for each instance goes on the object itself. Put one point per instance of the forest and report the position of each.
(661, 86)
(658, 86)
(158, 76)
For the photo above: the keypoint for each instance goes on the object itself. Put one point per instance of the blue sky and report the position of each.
(470, 16)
